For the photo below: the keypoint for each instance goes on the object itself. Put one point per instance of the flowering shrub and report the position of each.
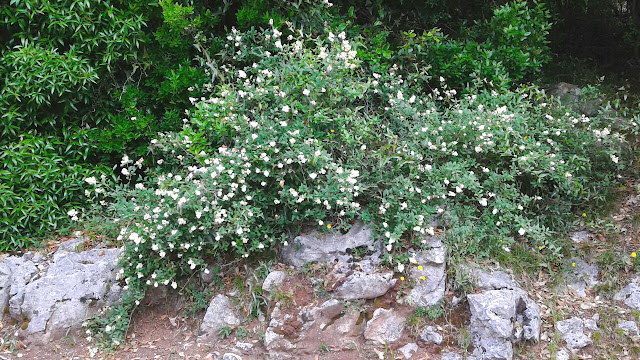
(299, 131)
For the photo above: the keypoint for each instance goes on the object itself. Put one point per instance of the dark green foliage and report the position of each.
(41, 178)
(507, 49)
(95, 79)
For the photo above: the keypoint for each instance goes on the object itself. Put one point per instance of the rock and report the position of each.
(244, 346)
(566, 92)
(73, 288)
(334, 247)
(495, 280)
(450, 356)
(570, 95)
(582, 277)
(563, 354)
(274, 280)
(385, 327)
(501, 316)
(630, 294)
(5, 285)
(274, 339)
(296, 332)
(429, 291)
(219, 314)
(361, 285)
(408, 350)
(230, 356)
(22, 270)
(580, 237)
(572, 332)
(629, 327)
(74, 245)
(430, 335)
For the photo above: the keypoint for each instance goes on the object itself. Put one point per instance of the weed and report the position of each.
(225, 332)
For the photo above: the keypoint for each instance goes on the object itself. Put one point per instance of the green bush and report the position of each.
(41, 179)
(39, 83)
(508, 49)
(299, 132)
(54, 57)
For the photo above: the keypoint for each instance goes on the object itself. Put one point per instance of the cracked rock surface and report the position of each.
(500, 315)
(51, 297)
(431, 276)
(334, 248)
(630, 294)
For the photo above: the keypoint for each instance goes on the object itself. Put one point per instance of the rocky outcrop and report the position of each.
(408, 350)
(385, 327)
(583, 276)
(273, 281)
(297, 333)
(500, 315)
(571, 96)
(429, 274)
(576, 332)
(630, 294)
(335, 248)
(361, 285)
(219, 314)
(430, 335)
(51, 296)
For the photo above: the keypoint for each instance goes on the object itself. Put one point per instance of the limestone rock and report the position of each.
(274, 280)
(430, 335)
(231, 356)
(334, 247)
(361, 285)
(582, 277)
(501, 316)
(408, 350)
(74, 286)
(563, 354)
(450, 356)
(571, 96)
(572, 331)
(630, 294)
(495, 280)
(580, 237)
(219, 314)
(385, 327)
(431, 290)
(629, 327)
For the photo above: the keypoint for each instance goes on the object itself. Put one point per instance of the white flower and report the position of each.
(140, 186)
(400, 267)
(521, 231)
(242, 74)
(306, 92)
(614, 158)
(286, 108)
(313, 176)
(483, 202)
(92, 180)
(125, 172)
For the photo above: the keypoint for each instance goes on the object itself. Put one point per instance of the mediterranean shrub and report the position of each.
(298, 131)
(504, 51)
(41, 185)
